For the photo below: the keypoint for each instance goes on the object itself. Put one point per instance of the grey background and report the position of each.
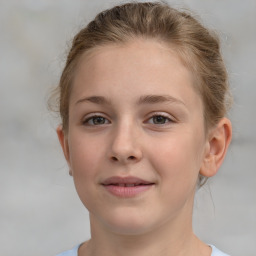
(40, 213)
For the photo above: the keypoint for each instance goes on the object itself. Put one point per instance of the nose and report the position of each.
(125, 145)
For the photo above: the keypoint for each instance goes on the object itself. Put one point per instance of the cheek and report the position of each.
(84, 155)
(85, 159)
(178, 168)
(180, 158)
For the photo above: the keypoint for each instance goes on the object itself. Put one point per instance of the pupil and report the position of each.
(159, 119)
(98, 120)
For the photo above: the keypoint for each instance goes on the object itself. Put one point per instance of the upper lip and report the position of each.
(115, 180)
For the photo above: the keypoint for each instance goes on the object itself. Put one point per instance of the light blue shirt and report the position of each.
(74, 252)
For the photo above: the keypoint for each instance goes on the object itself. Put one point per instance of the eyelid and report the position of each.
(163, 114)
(89, 116)
(86, 118)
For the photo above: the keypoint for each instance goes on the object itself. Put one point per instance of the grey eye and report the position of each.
(96, 120)
(160, 119)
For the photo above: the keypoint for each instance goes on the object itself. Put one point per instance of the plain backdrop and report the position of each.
(40, 213)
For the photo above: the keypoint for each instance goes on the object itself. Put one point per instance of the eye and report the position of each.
(159, 119)
(96, 120)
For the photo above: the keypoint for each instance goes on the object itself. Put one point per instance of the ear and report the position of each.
(64, 144)
(218, 141)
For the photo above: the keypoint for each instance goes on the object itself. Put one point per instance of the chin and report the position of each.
(128, 223)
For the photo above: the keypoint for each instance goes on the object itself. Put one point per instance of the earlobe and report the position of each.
(216, 148)
(64, 144)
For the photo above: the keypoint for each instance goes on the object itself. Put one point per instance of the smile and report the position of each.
(126, 187)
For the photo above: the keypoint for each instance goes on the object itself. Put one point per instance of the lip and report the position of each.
(126, 187)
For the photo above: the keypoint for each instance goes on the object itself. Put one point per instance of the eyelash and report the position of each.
(91, 118)
(167, 119)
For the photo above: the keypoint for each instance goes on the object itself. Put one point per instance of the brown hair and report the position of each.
(198, 48)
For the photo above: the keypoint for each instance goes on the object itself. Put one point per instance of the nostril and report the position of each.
(114, 158)
(117, 158)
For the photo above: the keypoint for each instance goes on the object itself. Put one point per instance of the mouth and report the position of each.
(126, 186)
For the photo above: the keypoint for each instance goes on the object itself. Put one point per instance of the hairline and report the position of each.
(180, 50)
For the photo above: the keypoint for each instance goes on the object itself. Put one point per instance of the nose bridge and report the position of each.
(125, 141)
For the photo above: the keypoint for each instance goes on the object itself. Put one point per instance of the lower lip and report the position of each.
(127, 192)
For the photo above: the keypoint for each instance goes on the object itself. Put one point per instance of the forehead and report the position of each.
(148, 66)
(150, 51)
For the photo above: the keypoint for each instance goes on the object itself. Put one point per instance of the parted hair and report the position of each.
(197, 47)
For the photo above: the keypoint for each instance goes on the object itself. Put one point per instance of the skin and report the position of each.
(127, 140)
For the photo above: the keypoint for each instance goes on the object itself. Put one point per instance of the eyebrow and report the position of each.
(151, 99)
(145, 99)
(95, 99)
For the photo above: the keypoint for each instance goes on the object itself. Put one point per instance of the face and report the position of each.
(136, 139)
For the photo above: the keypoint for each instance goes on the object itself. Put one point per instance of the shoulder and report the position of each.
(72, 252)
(217, 252)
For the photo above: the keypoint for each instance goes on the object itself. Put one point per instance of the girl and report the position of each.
(143, 99)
